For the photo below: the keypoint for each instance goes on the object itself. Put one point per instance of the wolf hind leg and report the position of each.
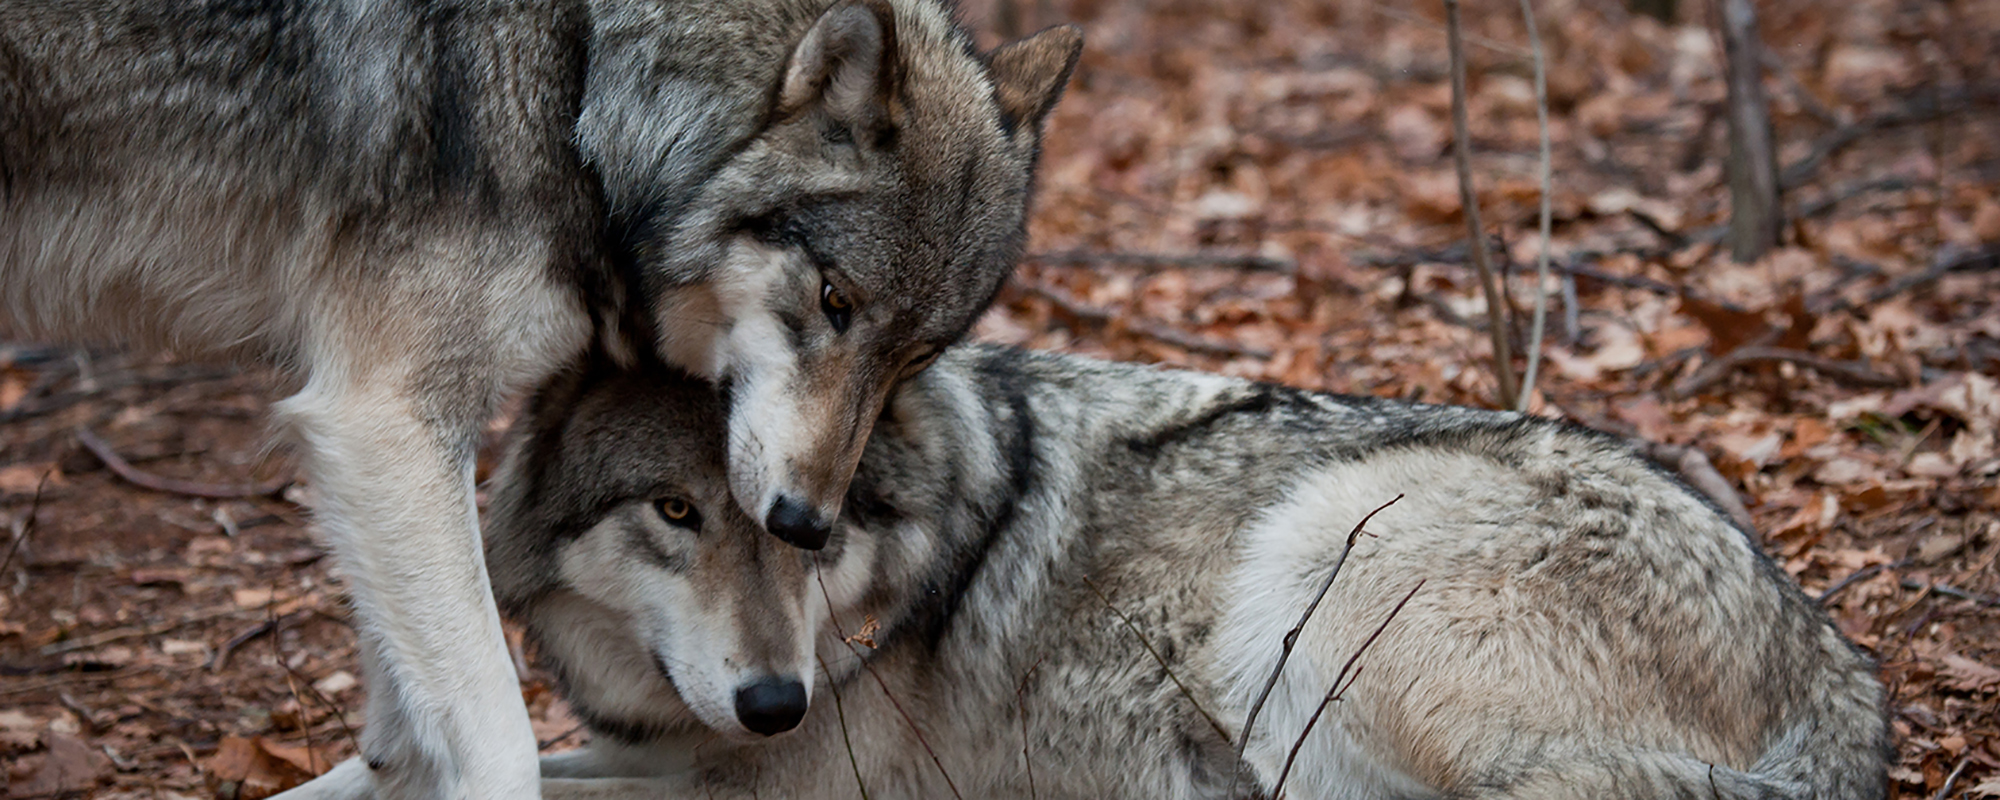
(394, 503)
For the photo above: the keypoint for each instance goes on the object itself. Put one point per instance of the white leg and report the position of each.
(394, 483)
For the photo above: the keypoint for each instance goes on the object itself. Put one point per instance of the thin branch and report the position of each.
(28, 526)
(1292, 639)
(1073, 306)
(1548, 179)
(884, 685)
(1335, 691)
(840, 713)
(1021, 705)
(1950, 591)
(1952, 779)
(120, 634)
(1855, 577)
(1156, 261)
(1503, 357)
(1849, 372)
(1156, 657)
(147, 480)
(543, 746)
(61, 400)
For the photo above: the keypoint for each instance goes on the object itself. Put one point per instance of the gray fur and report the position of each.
(413, 209)
(1589, 627)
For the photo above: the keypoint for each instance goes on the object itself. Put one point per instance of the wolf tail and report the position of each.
(1837, 748)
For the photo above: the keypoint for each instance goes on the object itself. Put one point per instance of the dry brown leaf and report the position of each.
(68, 766)
(24, 478)
(251, 770)
(1966, 674)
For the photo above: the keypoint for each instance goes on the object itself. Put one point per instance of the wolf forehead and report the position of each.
(635, 433)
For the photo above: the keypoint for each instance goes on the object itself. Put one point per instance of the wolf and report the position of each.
(413, 209)
(1058, 577)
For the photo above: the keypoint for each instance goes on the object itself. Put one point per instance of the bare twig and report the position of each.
(1848, 372)
(1073, 306)
(147, 480)
(1951, 591)
(1855, 577)
(884, 685)
(1548, 179)
(1924, 108)
(840, 714)
(1021, 705)
(119, 634)
(1291, 640)
(1952, 779)
(220, 660)
(28, 525)
(1503, 357)
(1185, 692)
(61, 400)
(1155, 261)
(573, 730)
(1335, 691)
(1695, 468)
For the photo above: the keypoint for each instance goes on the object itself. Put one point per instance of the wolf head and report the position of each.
(815, 200)
(659, 603)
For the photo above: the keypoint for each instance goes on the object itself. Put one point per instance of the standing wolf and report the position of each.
(413, 208)
(1587, 627)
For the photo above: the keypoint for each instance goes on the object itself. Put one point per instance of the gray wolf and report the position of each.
(1587, 626)
(412, 209)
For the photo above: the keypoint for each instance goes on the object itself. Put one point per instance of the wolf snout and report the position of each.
(771, 706)
(797, 524)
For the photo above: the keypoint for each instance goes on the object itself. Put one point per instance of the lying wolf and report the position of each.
(1586, 627)
(415, 208)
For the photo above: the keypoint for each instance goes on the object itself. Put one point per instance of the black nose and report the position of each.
(797, 524)
(771, 706)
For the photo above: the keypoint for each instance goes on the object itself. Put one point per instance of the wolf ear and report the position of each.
(1029, 74)
(847, 62)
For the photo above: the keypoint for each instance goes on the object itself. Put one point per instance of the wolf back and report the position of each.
(1586, 625)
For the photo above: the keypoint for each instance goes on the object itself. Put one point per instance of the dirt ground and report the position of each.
(1262, 189)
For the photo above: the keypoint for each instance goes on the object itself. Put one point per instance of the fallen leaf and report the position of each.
(70, 766)
(1966, 674)
(338, 682)
(24, 478)
(247, 769)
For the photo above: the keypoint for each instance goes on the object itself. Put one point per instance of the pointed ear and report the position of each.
(1029, 74)
(847, 63)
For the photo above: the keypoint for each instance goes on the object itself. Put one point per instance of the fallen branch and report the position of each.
(1075, 307)
(147, 480)
(1336, 691)
(1185, 692)
(1292, 639)
(1855, 577)
(1924, 108)
(1695, 468)
(1503, 357)
(119, 634)
(1155, 261)
(220, 660)
(1849, 372)
(1948, 590)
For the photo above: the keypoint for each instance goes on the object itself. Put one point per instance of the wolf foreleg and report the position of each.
(395, 506)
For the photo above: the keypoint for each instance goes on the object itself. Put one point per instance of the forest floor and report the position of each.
(1262, 189)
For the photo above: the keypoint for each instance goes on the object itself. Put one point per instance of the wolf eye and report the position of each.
(838, 309)
(679, 512)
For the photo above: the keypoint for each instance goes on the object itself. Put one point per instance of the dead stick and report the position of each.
(147, 480)
(1503, 356)
(1335, 691)
(1069, 304)
(884, 685)
(1292, 639)
(1185, 692)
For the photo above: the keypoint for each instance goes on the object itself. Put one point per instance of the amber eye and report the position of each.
(679, 512)
(838, 309)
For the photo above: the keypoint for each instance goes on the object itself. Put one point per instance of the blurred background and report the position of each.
(1264, 189)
